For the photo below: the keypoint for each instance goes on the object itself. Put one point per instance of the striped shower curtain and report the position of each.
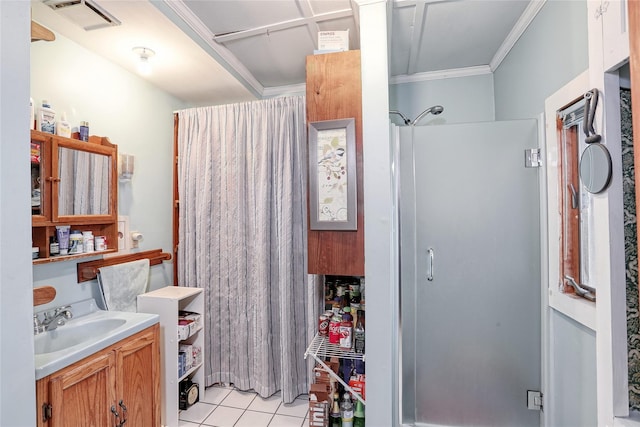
(242, 184)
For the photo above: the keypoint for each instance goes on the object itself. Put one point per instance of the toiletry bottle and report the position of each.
(54, 248)
(75, 242)
(62, 233)
(87, 238)
(32, 116)
(62, 127)
(84, 131)
(46, 121)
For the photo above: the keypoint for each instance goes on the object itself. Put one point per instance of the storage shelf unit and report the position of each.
(320, 348)
(167, 302)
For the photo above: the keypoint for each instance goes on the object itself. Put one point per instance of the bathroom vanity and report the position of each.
(101, 368)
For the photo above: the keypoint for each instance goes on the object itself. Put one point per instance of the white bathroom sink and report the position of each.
(90, 330)
(74, 334)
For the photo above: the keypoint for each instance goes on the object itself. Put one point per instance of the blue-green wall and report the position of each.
(550, 53)
(465, 99)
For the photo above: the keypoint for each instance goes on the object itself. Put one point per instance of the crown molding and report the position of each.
(518, 29)
(442, 74)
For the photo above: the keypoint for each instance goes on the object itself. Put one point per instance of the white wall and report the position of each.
(133, 114)
(17, 370)
(465, 99)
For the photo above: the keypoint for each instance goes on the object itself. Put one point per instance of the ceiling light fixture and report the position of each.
(144, 53)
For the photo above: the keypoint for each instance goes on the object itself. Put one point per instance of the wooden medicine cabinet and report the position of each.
(73, 183)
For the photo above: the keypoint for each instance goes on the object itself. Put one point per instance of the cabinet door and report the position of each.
(84, 181)
(138, 378)
(40, 160)
(82, 394)
(42, 402)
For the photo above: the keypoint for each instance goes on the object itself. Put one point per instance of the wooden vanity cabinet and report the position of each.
(126, 374)
(64, 171)
(138, 378)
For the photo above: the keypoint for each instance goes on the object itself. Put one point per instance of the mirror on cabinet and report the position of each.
(84, 180)
(84, 185)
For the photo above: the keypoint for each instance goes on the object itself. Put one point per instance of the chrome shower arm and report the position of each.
(406, 120)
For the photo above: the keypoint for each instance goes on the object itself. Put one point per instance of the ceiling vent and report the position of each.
(85, 13)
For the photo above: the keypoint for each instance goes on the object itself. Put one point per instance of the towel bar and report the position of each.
(89, 270)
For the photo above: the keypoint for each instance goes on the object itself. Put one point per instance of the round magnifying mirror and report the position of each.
(595, 168)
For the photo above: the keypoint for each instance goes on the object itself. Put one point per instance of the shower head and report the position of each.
(435, 110)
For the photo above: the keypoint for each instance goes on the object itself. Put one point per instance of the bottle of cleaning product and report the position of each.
(46, 120)
(63, 128)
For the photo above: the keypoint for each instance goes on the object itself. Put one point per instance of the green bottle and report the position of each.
(358, 415)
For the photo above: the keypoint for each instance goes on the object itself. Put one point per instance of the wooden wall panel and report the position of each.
(334, 91)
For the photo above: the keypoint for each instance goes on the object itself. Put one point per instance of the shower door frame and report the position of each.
(545, 344)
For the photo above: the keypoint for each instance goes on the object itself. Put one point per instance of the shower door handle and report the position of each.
(430, 264)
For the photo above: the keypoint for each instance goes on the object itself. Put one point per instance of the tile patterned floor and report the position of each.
(224, 406)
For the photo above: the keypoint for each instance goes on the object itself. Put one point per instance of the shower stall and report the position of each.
(469, 262)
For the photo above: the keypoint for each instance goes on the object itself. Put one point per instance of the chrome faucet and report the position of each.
(56, 317)
(37, 325)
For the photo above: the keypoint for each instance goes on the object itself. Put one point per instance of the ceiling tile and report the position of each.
(221, 50)
(277, 58)
(325, 6)
(229, 16)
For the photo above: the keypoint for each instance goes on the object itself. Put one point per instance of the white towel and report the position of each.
(122, 283)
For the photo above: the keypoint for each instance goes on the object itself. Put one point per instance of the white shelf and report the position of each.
(167, 302)
(190, 371)
(320, 348)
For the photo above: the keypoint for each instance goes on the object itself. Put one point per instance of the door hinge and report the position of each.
(47, 411)
(532, 158)
(534, 400)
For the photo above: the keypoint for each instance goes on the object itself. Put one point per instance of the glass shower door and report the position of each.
(470, 274)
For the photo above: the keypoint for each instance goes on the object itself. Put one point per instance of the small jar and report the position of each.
(100, 243)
